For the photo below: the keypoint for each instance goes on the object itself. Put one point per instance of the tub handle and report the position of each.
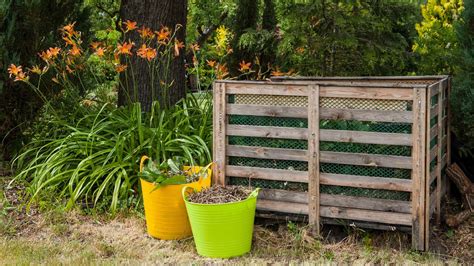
(186, 191)
(142, 162)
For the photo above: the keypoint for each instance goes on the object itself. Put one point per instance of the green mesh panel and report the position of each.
(365, 148)
(269, 184)
(268, 163)
(364, 170)
(404, 128)
(366, 126)
(365, 192)
(269, 143)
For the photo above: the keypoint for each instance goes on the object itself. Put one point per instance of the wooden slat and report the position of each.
(366, 182)
(433, 131)
(366, 159)
(366, 137)
(435, 109)
(366, 215)
(267, 173)
(433, 152)
(281, 206)
(433, 176)
(263, 110)
(433, 89)
(366, 203)
(219, 134)
(313, 158)
(337, 212)
(337, 200)
(268, 132)
(325, 113)
(432, 203)
(267, 153)
(366, 115)
(418, 172)
(362, 159)
(325, 135)
(267, 89)
(366, 93)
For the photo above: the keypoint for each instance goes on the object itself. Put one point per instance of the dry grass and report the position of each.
(52, 236)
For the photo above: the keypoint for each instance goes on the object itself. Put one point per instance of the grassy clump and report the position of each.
(93, 159)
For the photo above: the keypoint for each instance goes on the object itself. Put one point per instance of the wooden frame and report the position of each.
(425, 187)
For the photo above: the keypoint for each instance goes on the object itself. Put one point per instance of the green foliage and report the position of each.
(93, 157)
(437, 43)
(462, 101)
(27, 27)
(341, 38)
(168, 172)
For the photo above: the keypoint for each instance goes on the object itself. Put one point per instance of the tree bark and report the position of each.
(154, 14)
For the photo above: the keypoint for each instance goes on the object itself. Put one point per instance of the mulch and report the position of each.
(220, 194)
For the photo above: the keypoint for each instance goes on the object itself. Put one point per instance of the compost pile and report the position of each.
(220, 194)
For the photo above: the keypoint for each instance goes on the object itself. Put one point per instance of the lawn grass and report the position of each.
(53, 236)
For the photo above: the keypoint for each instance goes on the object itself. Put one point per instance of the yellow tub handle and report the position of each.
(142, 161)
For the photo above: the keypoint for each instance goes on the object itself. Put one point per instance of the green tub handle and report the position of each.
(185, 192)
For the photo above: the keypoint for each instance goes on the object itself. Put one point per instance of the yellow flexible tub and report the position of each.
(165, 211)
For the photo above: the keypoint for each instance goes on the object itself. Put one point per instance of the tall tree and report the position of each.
(155, 14)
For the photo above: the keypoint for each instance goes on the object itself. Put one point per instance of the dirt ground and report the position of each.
(49, 235)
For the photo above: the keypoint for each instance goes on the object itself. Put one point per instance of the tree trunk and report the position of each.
(154, 14)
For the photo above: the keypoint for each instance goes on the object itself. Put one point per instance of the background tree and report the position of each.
(246, 17)
(155, 14)
(462, 102)
(437, 43)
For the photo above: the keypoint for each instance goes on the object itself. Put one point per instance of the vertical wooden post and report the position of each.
(427, 177)
(446, 182)
(219, 132)
(313, 160)
(439, 155)
(418, 171)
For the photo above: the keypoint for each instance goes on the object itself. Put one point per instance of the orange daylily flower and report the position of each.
(244, 67)
(195, 47)
(222, 71)
(53, 52)
(14, 70)
(75, 51)
(211, 63)
(125, 48)
(69, 70)
(146, 33)
(277, 72)
(21, 77)
(95, 45)
(100, 51)
(68, 41)
(120, 68)
(146, 52)
(69, 28)
(130, 25)
(43, 55)
(37, 70)
(177, 46)
(17, 71)
(163, 35)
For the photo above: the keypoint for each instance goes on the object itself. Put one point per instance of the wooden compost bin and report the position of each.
(367, 151)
